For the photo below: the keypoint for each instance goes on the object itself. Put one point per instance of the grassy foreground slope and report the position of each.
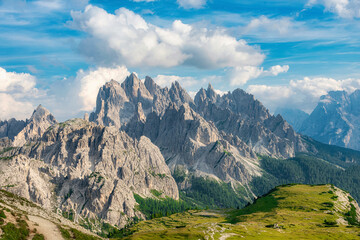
(21, 219)
(287, 212)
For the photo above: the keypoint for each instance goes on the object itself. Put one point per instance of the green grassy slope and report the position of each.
(287, 212)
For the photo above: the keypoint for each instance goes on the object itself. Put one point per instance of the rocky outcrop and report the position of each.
(335, 120)
(188, 141)
(10, 128)
(238, 113)
(112, 99)
(116, 103)
(39, 122)
(90, 170)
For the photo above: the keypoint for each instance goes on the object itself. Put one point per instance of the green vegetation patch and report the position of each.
(11, 231)
(155, 192)
(351, 216)
(153, 208)
(264, 204)
(209, 193)
(2, 214)
(38, 237)
(73, 234)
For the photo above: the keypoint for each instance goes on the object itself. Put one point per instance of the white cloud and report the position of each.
(11, 107)
(302, 94)
(343, 8)
(16, 82)
(281, 26)
(17, 92)
(241, 75)
(188, 4)
(166, 80)
(91, 81)
(276, 70)
(125, 38)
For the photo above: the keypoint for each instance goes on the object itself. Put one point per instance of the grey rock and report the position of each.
(116, 103)
(188, 141)
(335, 120)
(90, 169)
(10, 128)
(36, 126)
(238, 113)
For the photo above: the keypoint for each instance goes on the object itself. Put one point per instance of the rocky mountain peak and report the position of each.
(110, 99)
(131, 85)
(211, 92)
(179, 95)
(42, 114)
(335, 120)
(334, 96)
(37, 125)
(150, 85)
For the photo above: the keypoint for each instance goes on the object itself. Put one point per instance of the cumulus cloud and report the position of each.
(188, 4)
(302, 94)
(343, 8)
(90, 82)
(241, 75)
(166, 80)
(17, 91)
(125, 38)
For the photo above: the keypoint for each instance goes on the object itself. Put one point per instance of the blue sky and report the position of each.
(286, 53)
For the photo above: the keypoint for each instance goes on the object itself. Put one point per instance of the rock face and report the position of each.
(10, 128)
(238, 113)
(294, 117)
(116, 103)
(335, 120)
(188, 141)
(39, 122)
(90, 170)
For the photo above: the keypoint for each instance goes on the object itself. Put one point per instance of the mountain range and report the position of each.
(145, 145)
(335, 120)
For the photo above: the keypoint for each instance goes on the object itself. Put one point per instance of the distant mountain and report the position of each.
(336, 120)
(295, 117)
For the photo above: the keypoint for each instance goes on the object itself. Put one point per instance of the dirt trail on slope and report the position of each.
(45, 227)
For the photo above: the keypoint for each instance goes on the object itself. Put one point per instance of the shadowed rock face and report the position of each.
(188, 141)
(335, 120)
(238, 113)
(90, 169)
(10, 128)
